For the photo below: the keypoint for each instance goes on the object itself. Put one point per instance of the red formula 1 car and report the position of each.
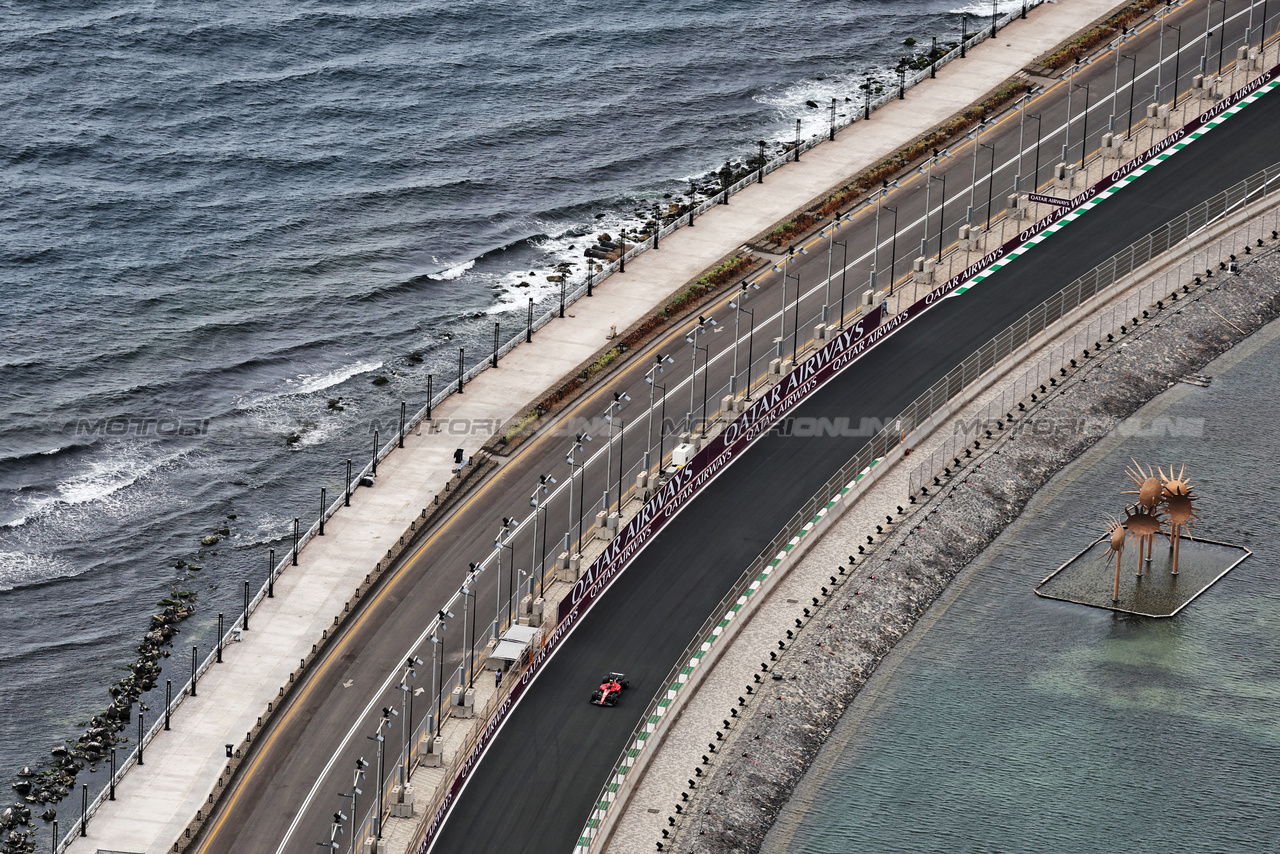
(610, 690)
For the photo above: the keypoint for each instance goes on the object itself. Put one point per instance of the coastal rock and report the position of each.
(209, 540)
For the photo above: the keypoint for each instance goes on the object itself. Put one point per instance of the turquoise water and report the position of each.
(1009, 723)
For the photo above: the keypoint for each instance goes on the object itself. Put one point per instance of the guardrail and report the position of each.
(934, 399)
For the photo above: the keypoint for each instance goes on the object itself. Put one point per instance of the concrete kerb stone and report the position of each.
(1040, 346)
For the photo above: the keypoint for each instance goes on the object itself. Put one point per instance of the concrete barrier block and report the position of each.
(463, 701)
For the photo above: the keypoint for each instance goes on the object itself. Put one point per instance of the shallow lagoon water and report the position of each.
(1005, 722)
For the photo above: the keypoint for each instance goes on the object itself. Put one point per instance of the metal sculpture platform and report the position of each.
(1086, 579)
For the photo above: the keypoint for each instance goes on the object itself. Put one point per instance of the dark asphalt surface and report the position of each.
(537, 783)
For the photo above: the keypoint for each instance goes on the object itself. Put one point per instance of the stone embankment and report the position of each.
(797, 701)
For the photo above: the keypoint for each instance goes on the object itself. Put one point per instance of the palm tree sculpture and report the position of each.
(1143, 524)
(1178, 498)
(1149, 495)
(1117, 535)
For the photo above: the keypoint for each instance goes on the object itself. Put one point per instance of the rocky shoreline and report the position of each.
(56, 780)
(797, 701)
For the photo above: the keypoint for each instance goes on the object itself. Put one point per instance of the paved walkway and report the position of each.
(156, 801)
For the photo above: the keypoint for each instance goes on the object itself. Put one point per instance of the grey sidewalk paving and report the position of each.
(156, 801)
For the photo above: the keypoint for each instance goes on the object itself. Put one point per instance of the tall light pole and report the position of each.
(385, 723)
(1177, 63)
(1070, 77)
(650, 375)
(577, 448)
(356, 792)
(1222, 32)
(1115, 85)
(880, 194)
(990, 178)
(702, 327)
(784, 268)
(615, 409)
(744, 292)
(942, 207)
(844, 276)
(406, 720)
(468, 590)
(1084, 140)
(1035, 175)
(545, 482)
(893, 247)
(831, 251)
(1022, 126)
(503, 541)
(1133, 79)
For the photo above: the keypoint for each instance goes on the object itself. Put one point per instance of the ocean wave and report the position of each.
(312, 383)
(117, 469)
(23, 569)
(453, 273)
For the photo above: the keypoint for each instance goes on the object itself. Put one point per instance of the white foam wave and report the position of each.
(454, 272)
(19, 568)
(103, 477)
(312, 383)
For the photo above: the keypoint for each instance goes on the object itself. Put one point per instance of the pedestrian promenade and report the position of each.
(156, 801)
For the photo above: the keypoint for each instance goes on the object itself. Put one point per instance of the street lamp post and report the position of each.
(1222, 32)
(942, 207)
(503, 541)
(760, 178)
(751, 331)
(744, 290)
(1133, 79)
(468, 591)
(990, 178)
(893, 247)
(649, 377)
(1084, 137)
(577, 447)
(702, 327)
(545, 482)
(1177, 63)
(406, 720)
(844, 275)
(1035, 175)
(615, 407)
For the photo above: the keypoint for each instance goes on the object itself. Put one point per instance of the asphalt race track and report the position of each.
(539, 778)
